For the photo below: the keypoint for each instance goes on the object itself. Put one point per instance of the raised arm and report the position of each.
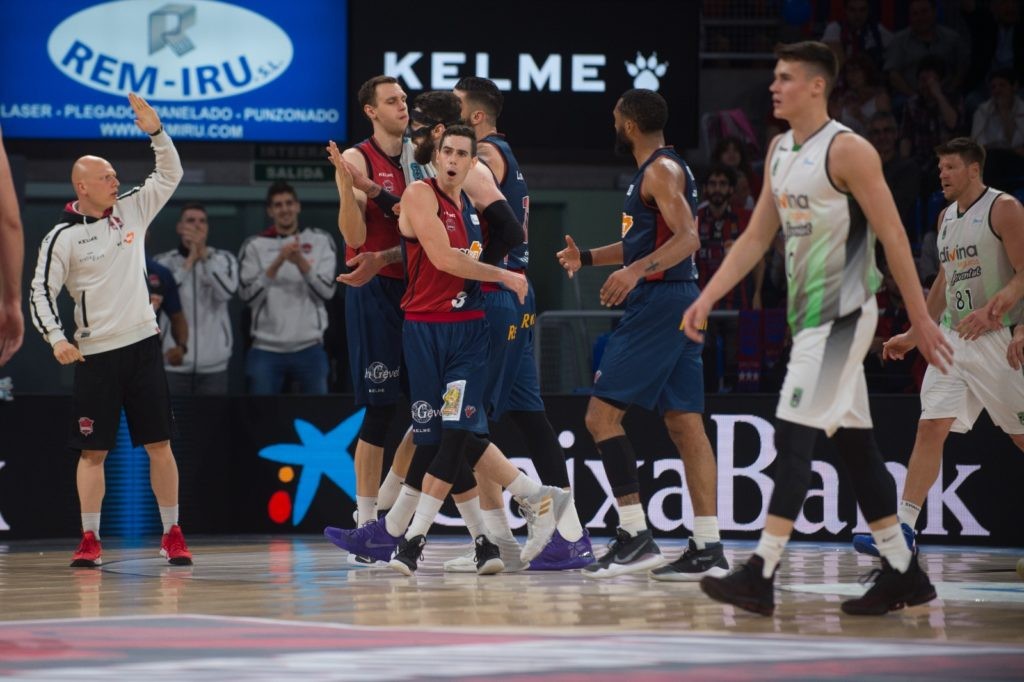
(12, 256)
(351, 201)
(151, 196)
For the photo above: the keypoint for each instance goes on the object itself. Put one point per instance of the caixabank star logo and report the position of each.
(315, 456)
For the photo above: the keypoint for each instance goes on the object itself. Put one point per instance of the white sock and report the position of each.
(473, 516)
(569, 526)
(770, 548)
(908, 513)
(523, 486)
(91, 522)
(705, 530)
(366, 508)
(631, 518)
(389, 490)
(426, 512)
(398, 519)
(169, 517)
(893, 546)
(496, 521)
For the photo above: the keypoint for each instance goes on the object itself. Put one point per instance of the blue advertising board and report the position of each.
(250, 70)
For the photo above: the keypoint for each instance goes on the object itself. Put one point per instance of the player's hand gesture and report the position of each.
(362, 268)
(66, 353)
(342, 170)
(933, 345)
(1015, 352)
(695, 319)
(569, 257)
(517, 283)
(898, 346)
(145, 116)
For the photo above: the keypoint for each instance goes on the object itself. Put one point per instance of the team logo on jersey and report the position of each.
(422, 412)
(627, 223)
(452, 398)
(388, 186)
(474, 250)
(450, 221)
(646, 71)
(470, 411)
(129, 238)
(85, 426)
(958, 254)
(794, 400)
(474, 219)
(307, 248)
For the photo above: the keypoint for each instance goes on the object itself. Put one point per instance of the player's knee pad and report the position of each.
(542, 444)
(375, 424)
(794, 444)
(619, 465)
(422, 457)
(464, 479)
(872, 482)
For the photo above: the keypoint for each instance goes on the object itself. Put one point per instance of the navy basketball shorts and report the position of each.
(649, 361)
(520, 384)
(447, 365)
(373, 325)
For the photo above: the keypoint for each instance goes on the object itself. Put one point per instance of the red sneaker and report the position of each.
(88, 553)
(174, 549)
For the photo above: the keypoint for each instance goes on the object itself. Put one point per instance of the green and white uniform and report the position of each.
(831, 278)
(976, 266)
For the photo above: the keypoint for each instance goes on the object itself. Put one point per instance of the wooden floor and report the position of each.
(280, 607)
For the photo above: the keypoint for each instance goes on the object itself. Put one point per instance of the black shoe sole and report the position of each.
(84, 563)
(711, 587)
(180, 561)
(916, 600)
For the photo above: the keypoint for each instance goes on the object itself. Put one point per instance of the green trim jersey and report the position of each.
(973, 260)
(830, 248)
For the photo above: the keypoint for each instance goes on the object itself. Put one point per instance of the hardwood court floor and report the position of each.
(281, 607)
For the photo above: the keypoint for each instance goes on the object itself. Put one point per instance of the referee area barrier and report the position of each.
(283, 464)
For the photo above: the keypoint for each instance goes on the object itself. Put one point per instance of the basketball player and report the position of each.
(97, 253)
(12, 256)
(648, 361)
(828, 190)
(981, 244)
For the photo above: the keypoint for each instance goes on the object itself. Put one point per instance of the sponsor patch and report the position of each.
(794, 400)
(85, 426)
(470, 411)
(421, 411)
(453, 396)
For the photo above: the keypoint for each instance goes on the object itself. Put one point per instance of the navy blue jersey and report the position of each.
(513, 186)
(643, 227)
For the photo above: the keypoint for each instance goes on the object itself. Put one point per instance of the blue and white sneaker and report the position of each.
(864, 543)
(370, 540)
(626, 554)
(561, 555)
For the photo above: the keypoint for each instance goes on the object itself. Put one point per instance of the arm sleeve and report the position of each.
(320, 277)
(252, 278)
(219, 272)
(51, 270)
(148, 198)
(503, 232)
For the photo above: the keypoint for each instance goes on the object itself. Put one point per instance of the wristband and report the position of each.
(158, 131)
(586, 258)
(386, 201)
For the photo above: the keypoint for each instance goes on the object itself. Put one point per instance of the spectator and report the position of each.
(999, 127)
(997, 38)
(731, 151)
(860, 94)
(930, 117)
(902, 175)
(287, 274)
(922, 39)
(163, 295)
(207, 279)
(857, 34)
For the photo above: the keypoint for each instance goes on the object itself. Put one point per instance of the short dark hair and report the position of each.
(484, 94)
(964, 147)
(646, 108)
(280, 187)
(721, 169)
(460, 130)
(437, 106)
(193, 206)
(813, 52)
(368, 91)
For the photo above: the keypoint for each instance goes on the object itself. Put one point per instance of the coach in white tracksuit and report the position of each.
(97, 253)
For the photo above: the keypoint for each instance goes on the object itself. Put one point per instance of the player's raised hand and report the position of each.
(933, 345)
(569, 257)
(898, 346)
(695, 319)
(145, 116)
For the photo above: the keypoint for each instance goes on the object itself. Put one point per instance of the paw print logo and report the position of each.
(646, 71)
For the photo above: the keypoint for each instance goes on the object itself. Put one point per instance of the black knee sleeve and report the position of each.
(794, 445)
(464, 479)
(542, 444)
(422, 457)
(872, 482)
(375, 424)
(446, 463)
(619, 465)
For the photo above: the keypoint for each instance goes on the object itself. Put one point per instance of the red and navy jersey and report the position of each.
(513, 186)
(381, 230)
(644, 228)
(430, 294)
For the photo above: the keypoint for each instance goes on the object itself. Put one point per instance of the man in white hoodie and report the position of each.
(207, 280)
(96, 252)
